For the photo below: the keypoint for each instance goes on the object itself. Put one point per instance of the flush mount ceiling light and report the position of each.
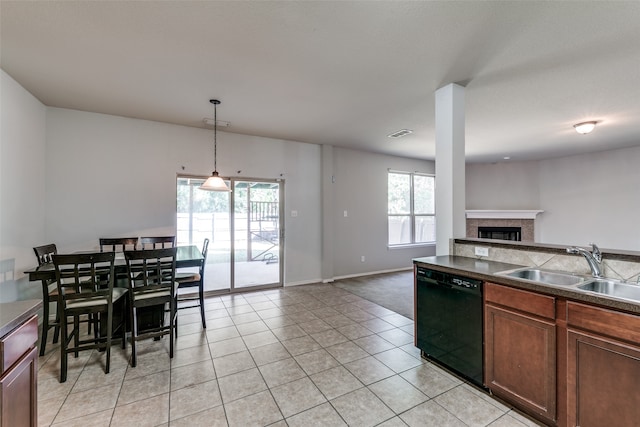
(585, 127)
(400, 133)
(214, 182)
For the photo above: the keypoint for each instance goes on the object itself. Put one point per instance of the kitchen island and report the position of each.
(564, 356)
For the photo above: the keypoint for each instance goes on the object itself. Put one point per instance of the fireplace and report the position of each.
(501, 233)
(516, 225)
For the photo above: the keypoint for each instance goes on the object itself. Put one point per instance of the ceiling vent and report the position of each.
(220, 123)
(400, 133)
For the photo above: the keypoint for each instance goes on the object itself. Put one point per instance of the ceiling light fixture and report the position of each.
(585, 127)
(400, 133)
(214, 182)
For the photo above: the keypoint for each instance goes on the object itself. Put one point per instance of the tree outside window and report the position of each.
(411, 208)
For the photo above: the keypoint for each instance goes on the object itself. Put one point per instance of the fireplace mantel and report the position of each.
(502, 214)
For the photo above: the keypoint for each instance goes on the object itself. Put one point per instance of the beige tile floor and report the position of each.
(312, 355)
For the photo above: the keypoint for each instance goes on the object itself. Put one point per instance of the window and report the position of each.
(411, 208)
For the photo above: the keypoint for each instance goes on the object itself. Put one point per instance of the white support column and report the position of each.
(450, 166)
(327, 213)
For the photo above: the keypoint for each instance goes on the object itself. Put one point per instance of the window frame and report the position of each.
(412, 214)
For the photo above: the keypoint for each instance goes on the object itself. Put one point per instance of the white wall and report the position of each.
(22, 187)
(360, 188)
(502, 186)
(592, 198)
(110, 176)
(586, 198)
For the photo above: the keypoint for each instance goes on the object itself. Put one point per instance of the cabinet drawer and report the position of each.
(525, 301)
(18, 342)
(608, 322)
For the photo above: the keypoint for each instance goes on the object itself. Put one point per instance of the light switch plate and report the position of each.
(480, 251)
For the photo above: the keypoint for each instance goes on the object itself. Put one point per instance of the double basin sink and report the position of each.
(601, 286)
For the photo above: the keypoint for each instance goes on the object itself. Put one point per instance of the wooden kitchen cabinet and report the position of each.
(603, 367)
(520, 349)
(18, 375)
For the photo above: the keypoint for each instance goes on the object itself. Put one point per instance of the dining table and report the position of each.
(186, 256)
(148, 317)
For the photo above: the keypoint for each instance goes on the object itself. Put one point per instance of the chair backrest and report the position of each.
(157, 242)
(151, 267)
(118, 244)
(86, 277)
(205, 251)
(45, 252)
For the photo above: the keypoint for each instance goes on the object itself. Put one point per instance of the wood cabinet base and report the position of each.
(18, 393)
(603, 369)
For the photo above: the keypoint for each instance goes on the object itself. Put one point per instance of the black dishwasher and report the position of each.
(449, 322)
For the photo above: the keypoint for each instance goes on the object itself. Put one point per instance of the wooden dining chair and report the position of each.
(117, 244)
(193, 279)
(151, 278)
(85, 287)
(49, 295)
(157, 242)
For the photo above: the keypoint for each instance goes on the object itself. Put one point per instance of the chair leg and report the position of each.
(109, 333)
(172, 324)
(45, 325)
(174, 328)
(76, 333)
(56, 328)
(123, 324)
(201, 294)
(134, 333)
(63, 349)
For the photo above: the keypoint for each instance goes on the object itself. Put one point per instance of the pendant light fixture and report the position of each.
(214, 182)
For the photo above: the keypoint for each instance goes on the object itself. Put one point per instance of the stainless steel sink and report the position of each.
(612, 288)
(545, 276)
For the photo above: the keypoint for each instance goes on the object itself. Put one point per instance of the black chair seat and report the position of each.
(187, 277)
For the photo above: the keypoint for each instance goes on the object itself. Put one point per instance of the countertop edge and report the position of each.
(461, 265)
(13, 314)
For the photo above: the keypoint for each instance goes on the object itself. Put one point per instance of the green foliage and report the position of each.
(203, 201)
(399, 193)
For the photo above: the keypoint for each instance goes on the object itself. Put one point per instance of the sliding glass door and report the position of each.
(256, 226)
(243, 228)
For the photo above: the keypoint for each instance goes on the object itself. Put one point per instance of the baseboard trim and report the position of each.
(371, 273)
(347, 276)
(303, 282)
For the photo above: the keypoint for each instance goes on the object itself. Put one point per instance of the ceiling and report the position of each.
(345, 73)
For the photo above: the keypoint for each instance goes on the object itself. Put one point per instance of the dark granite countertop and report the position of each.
(486, 270)
(13, 314)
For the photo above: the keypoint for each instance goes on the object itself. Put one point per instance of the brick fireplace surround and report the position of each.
(525, 219)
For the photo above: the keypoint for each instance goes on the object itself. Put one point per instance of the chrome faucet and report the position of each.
(594, 258)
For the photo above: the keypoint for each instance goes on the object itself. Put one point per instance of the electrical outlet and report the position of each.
(362, 258)
(480, 251)
(294, 213)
